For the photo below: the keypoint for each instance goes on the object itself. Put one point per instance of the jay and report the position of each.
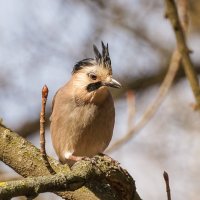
(83, 112)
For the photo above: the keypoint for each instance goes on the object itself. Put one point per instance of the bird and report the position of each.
(83, 113)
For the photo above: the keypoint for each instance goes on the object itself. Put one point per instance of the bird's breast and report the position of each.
(83, 116)
(94, 128)
(83, 129)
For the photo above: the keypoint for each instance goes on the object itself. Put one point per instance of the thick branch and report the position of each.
(70, 181)
(26, 160)
(172, 14)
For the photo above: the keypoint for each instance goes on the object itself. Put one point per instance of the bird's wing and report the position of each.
(53, 101)
(52, 105)
(58, 98)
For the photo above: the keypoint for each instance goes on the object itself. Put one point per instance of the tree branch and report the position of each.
(166, 178)
(70, 181)
(153, 107)
(172, 14)
(26, 160)
(164, 88)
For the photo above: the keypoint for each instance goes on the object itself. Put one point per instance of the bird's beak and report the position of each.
(113, 83)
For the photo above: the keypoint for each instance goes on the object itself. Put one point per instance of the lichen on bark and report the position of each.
(114, 182)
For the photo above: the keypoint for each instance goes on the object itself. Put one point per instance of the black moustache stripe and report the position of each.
(94, 86)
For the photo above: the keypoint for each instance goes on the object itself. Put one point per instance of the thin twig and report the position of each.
(42, 130)
(153, 107)
(172, 14)
(166, 178)
(183, 14)
(165, 86)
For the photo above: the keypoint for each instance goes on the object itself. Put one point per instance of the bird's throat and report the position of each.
(97, 96)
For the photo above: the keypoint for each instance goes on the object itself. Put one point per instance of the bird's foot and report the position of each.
(74, 159)
(71, 160)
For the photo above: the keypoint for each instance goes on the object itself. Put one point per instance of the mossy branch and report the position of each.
(104, 180)
(69, 181)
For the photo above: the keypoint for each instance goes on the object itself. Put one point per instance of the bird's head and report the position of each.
(94, 76)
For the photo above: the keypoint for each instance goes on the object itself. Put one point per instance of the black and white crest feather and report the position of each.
(104, 58)
(101, 59)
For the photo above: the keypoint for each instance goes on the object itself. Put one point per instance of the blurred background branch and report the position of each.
(153, 107)
(167, 82)
(172, 14)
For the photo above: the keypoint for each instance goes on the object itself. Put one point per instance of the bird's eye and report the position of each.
(93, 76)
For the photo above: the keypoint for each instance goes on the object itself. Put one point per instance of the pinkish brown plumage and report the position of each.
(83, 115)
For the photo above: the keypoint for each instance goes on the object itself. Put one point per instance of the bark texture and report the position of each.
(103, 179)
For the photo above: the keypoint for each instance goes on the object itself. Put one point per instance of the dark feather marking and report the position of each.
(100, 59)
(94, 86)
(97, 54)
(83, 63)
(106, 56)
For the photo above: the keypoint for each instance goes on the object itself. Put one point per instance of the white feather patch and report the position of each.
(68, 154)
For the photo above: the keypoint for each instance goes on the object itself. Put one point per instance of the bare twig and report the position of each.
(166, 178)
(42, 129)
(165, 86)
(172, 14)
(183, 14)
(153, 107)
